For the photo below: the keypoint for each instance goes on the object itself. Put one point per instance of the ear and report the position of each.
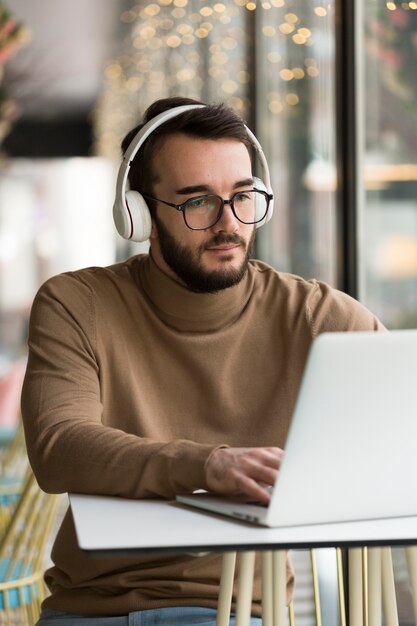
(154, 231)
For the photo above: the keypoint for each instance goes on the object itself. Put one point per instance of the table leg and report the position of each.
(245, 587)
(355, 587)
(316, 590)
(388, 588)
(340, 587)
(267, 589)
(279, 559)
(411, 554)
(291, 616)
(374, 587)
(365, 599)
(226, 589)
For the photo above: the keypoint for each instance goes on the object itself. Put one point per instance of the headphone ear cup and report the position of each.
(121, 217)
(259, 206)
(140, 221)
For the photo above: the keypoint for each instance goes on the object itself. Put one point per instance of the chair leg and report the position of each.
(245, 586)
(226, 589)
(355, 587)
(340, 587)
(388, 588)
(279, 559)
(365, 595)
(316, 591)
(267, 589)
(411, 554)
(291, 617)
(374, 587)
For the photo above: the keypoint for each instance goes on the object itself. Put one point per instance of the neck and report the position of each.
(187, 311)
(156, 254)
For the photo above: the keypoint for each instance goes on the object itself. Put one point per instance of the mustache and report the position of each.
(223, 239)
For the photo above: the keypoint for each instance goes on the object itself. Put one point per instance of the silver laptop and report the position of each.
(351, 452)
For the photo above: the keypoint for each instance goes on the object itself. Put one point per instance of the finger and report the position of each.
(256, 467)
(262, 474)
(277, 452)
(253, 490)
(271, 457)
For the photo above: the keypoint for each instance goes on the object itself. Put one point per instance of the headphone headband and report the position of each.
(130, 211)
(152, 125)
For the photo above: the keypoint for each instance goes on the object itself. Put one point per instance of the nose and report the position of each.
(227, 223)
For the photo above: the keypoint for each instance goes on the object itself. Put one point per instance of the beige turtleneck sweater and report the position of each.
(133, 380)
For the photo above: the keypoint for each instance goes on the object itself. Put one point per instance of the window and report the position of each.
(55, 216)
(388, 244)
(295, 121)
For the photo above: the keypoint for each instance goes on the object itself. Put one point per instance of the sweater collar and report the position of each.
(186, 310)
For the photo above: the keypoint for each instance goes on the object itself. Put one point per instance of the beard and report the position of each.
(186, 263)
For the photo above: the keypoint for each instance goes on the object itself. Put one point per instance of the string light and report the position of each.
(273, 57)
(312, 71)
(291, 18)
(292, 99)
(180, 47)
(286, 28)
(298, 73)
(275, 106)
(406, 6)
(286, 74)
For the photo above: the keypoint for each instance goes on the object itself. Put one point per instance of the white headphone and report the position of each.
(131, 213)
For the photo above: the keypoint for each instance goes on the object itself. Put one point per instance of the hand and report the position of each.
(243, 471)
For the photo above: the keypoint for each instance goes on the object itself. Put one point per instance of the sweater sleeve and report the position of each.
(330, 310)
(69, 447)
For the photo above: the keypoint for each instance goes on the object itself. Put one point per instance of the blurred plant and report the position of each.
(391, 44)
(392, 40)
(12, 35)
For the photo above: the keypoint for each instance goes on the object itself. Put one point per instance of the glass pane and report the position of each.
(208, 54)
(389, 243)
(168, 50)
(296, 126)
(54, 217)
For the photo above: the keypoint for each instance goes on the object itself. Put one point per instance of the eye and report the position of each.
(203, 204)
(197, 203)
(243, 196)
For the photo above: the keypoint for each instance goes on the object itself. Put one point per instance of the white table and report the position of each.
(157, 526)
(162, 526)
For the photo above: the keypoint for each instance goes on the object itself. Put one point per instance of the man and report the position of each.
(171, 371)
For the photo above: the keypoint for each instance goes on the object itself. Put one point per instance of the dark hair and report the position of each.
(214, 121)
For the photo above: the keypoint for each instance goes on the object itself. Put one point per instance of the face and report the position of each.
(186, 167)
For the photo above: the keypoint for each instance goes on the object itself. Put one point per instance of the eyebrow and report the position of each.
(205, 188)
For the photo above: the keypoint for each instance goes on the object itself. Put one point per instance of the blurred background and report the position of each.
(329, 88)
(75, 77)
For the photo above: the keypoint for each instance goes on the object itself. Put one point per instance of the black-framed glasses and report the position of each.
(203, 212)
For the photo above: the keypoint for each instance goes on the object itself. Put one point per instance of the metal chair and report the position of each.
(13, 467)
(22, 555)
(274, 602)
(370, 588)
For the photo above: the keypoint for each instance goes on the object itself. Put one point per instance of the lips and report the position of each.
(224, 244)
(225, 248)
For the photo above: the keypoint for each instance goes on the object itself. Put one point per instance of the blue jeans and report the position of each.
(172, 616)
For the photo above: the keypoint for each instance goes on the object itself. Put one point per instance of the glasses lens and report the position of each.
(250, 206)
(202, 212)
